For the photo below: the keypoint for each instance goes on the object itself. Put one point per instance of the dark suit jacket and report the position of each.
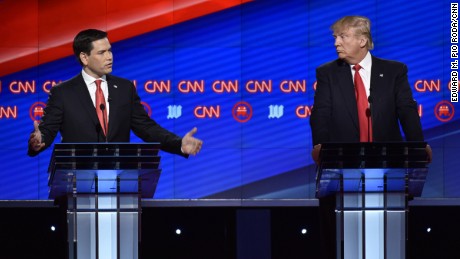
(334, 117)
(71, 111)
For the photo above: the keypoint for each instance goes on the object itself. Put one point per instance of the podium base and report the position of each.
(371, 225)
(103, 226)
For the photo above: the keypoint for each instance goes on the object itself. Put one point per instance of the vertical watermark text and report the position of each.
(454, 52)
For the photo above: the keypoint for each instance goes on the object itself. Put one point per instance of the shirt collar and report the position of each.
(89, 79)
(366, 63)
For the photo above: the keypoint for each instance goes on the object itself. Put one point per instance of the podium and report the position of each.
(103, 184)
(373, 183)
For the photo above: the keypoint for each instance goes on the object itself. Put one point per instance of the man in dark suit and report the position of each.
(73, 106)
(334, 117)
(388, 103)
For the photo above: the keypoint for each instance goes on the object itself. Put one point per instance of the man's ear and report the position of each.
(363, 42)
(84, 58)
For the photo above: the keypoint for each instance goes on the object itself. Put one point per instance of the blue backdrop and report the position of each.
(268, 42)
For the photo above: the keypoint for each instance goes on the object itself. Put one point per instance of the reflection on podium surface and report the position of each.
(372, 183)
(104, 184)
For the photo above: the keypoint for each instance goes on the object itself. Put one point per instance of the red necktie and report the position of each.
(101, 107)
(365, 123)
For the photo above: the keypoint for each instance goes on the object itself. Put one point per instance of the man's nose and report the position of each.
(337, 42)
(109, 55)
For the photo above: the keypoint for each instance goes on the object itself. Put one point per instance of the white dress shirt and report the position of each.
(364, 72)
(90, 83)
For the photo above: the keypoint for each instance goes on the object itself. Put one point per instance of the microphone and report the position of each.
(368, 115)
(98, 130)
(368, 112)
(102, 107)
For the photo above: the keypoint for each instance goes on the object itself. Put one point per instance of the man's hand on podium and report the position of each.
(315, 153)
(35, 140)
(429, 153)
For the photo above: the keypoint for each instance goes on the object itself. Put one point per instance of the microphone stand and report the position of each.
(98, 130)
(368, 115)
(102, 107)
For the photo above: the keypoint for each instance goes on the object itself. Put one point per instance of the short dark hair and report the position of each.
(83, 42)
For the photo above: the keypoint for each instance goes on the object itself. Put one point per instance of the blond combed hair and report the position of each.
(360, 24)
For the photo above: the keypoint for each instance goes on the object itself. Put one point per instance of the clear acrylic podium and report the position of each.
(104, 184)
(372, 183)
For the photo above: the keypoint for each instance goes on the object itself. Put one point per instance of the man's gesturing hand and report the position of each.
(35, 140)
(190, 144)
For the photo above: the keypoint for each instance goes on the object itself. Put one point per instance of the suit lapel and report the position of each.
(113, 100)
(377, 74)
(82, 93)
(347, 89)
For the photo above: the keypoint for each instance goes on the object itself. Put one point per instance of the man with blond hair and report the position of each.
(359, 98)
(336, 116)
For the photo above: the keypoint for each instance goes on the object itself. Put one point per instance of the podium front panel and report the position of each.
(104, 184)
(371, 183)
